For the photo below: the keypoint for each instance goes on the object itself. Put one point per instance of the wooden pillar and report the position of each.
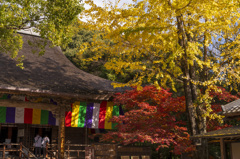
(223, 150)
(20, 150)
(46, 150)
(61, 132)
(4, 147)
(86, 135)
(10, 133)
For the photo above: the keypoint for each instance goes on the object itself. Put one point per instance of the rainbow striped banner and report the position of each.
(92, 115)
(27, 116)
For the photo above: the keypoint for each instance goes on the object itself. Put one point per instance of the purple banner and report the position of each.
(89, 115)
(10, 115)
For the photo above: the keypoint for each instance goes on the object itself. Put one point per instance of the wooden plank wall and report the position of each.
(133, 151)
(105, 151)
(75, 135)
(54, 135)
(112, 151)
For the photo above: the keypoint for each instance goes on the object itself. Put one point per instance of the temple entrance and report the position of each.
(43, 131)
(24, 133)
(33, 130)
(8, 133)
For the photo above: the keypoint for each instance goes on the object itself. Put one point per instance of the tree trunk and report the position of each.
(197, 122)
(185, 69)
(202, 127)
(202, 149)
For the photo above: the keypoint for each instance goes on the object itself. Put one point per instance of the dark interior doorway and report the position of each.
(43, 132)
(8, 132)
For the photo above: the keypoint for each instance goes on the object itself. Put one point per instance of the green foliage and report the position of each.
(95, 66)
(51, 18)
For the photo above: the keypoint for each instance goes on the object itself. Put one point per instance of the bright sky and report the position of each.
(98, 2)
(101, 2)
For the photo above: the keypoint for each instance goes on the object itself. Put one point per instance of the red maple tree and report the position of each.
(152, 116)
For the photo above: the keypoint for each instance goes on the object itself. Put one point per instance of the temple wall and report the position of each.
(75, 135)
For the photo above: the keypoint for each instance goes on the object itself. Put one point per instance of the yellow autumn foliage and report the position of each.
(144, 37)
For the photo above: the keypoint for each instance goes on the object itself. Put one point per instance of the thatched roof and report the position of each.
(51, 74)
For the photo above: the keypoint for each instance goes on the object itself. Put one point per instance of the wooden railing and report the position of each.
(23, 152)
(52, 150)
(29, 153)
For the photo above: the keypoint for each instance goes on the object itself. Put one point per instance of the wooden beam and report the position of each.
(61, 132)
(215, 141)
(231, 116)
(36, 92)
(223, 151)
(16, 103)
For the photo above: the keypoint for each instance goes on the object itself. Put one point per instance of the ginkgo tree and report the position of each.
(192, 42)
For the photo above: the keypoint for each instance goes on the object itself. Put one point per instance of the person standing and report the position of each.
(37, 145)
(45, 141)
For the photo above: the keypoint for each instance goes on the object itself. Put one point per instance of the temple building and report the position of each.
(52, 97)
